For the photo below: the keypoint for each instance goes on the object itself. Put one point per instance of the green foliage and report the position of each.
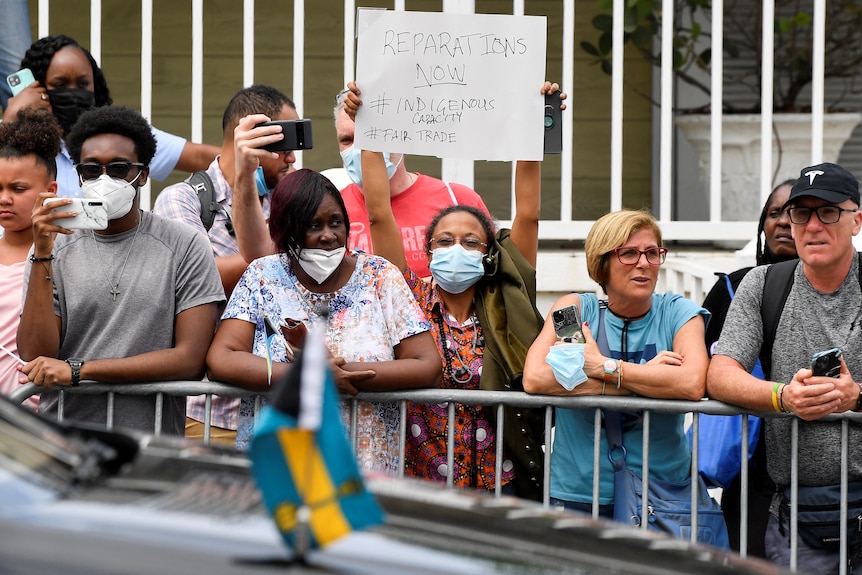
(692, 42)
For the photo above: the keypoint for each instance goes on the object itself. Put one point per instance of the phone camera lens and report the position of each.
(14, 80)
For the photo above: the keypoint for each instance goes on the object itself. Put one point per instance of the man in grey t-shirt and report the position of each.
(823, 310)
(137, 301)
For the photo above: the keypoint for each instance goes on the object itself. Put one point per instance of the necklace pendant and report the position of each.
(115, 292)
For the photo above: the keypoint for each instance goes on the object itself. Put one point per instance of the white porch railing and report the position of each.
(564, 227)
(708, 226)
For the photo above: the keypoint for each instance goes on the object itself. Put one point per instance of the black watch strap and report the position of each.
(75, 364)
(859, 400)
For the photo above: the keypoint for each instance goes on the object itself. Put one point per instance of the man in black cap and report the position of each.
(823, 310)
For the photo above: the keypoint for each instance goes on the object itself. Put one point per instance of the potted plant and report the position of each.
(792, 54)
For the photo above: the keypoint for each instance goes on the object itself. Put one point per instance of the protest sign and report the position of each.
(451, 85)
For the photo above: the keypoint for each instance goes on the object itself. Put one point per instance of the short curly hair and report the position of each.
(610, 232)
(38, 58)
(118, 120)
(295, 200)
(34, 132)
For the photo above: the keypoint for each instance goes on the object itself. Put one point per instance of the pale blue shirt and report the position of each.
(572, 456)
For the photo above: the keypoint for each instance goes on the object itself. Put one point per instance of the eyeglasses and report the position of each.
(91, 171)
(631, 256)
(826, 214)
(448, 242)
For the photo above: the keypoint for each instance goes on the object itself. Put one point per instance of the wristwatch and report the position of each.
(611, 366)
(75, 364)
(859, 400)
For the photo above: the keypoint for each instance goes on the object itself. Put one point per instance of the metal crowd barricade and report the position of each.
(498, 399)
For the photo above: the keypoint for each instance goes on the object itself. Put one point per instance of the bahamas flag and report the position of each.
(302, 460)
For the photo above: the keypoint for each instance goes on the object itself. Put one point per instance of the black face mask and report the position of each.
(69, 104)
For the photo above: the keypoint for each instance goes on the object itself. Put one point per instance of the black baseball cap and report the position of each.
(829, 182)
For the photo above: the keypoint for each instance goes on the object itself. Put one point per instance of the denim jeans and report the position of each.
(15, 39)
(605, 511)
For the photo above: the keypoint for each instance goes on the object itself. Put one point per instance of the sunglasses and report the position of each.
(91, 171)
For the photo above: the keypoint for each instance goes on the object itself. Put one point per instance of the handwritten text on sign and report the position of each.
(451, 85)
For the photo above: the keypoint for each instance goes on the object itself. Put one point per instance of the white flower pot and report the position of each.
(740, 166)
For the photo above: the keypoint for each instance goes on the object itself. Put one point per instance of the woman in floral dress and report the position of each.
(377, 335)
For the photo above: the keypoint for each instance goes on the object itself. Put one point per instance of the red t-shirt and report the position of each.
(414, 208)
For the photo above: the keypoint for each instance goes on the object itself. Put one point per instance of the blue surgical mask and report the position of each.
(567, 363)
(259, 179)
(456, 269)
(352, 158)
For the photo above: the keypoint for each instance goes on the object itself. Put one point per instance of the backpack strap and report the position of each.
(203, 185)
(451, 194)
(776, 287)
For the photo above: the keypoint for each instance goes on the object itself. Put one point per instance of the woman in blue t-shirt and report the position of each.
(655, 343)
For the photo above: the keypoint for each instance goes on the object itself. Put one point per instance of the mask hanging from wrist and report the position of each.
(260, 180)
(320, 264)
(69, 103)
(352, 158)
(567, 363)
(117, 193)
(456, 269)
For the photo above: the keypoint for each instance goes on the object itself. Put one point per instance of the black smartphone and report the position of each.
(297, 135)
(553, 125)
(826, 363)
(567, 324)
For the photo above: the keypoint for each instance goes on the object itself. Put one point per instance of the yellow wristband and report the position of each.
(775, 404)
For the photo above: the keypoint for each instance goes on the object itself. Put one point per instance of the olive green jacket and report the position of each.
(506, 308)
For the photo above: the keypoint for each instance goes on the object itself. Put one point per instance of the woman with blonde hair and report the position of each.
(654, 346)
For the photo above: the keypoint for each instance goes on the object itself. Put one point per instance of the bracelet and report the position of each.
(44, 262)
(604, 383)
(619, 374)
(781, 399)
(775, 387)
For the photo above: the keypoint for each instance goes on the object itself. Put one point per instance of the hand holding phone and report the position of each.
(567, 324)
(294, 332)
(19, 80)
(553, 124)
(297, 135)
(92, 214)
(826, 363)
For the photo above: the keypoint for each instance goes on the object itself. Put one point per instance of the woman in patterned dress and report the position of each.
(378, 337)
(481, 304)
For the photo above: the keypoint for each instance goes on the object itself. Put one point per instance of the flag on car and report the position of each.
(302, 460)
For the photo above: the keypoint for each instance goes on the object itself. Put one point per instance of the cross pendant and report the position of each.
(115, 292)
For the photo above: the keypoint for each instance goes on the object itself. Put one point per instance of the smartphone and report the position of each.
(553, 125)
(297, 135)
(92, 214)
(294, 332)
(567, 324)
(826, 363)
(19, 80)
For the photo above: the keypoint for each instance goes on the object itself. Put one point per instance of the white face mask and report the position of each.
(320, 264)
(117, 193)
